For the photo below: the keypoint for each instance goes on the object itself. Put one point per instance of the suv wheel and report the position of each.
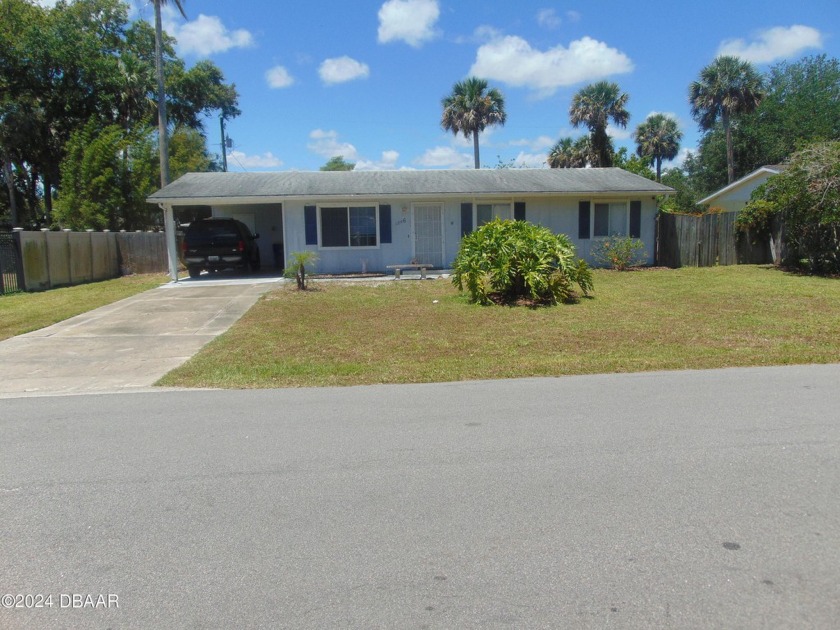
(194, 272)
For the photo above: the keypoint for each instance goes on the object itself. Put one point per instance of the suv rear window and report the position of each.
(206, 231)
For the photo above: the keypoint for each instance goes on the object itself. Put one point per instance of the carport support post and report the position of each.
(171, 242)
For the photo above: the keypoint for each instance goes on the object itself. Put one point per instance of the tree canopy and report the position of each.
(570, 153)
(726, 89)
(471, 108)
(594, 107)
(338, 163)
(806, 196)
(77, 71)
(801, 105)
(657, 139)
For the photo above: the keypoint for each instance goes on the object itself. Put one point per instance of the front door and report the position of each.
(428, 234)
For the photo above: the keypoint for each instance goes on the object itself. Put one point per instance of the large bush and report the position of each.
(505, 261)
(805, 199)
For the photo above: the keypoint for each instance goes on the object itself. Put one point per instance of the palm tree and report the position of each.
(594, 107)
(658, 138)
(470, 108)
(727, 88)
(161, 94)
(134, 105)
(568, 153)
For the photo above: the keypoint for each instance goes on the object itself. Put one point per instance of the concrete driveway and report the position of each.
(128, 344)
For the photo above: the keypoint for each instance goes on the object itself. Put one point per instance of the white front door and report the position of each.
(428, 234)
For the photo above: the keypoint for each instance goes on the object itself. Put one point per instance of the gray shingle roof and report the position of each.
(194, 187)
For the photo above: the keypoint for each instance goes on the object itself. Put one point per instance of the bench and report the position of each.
(398, 269)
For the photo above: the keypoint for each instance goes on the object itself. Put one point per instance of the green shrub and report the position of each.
(504, 261)
(619, 252)
(757, 215)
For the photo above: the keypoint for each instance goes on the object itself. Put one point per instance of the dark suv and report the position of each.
(215, 244)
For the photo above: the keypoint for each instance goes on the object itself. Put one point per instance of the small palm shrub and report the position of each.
(505, 261)
(619, 252)
(297, 269)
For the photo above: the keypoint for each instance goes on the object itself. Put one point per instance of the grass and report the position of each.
(409, 332)
(24, 312)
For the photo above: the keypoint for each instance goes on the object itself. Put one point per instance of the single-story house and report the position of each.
(735, 196)
(367, 220)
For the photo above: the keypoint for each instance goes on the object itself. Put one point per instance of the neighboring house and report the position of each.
(367, 220)
(736, 195)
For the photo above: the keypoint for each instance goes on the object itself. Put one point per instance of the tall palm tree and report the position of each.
(470, 108)
(163, 142)
(568, 153)
(726, 88)
(594, 107)
(657, 139)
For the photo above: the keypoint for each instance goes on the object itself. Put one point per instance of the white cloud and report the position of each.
(445, 157)
(412, 21)
(512, 60)
(573, 16)
(618, 133)
(326, 144)
(548, 18)
(278, 77)
(205, 35)
(266, 160)
(387, 163)
(342, 69)
(774, 43)
(486, 33)
(534, 144)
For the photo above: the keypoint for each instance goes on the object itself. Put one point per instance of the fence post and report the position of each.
(21, 279)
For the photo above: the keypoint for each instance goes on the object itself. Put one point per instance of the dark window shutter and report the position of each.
(635, 219)
(466, 219)
(519, 211)
(384, 224)
(583, 220)
(310, 220)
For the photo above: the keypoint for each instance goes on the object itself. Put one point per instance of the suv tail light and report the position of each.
(184, 247)
(240, 246)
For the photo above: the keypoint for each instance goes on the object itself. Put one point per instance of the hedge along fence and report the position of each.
(54, 259)
(687, 240)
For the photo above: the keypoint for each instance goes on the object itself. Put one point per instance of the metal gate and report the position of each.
(11, 267)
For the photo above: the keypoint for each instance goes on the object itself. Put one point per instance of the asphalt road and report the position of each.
(661, 500)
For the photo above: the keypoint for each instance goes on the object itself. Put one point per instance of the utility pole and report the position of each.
(224, 144)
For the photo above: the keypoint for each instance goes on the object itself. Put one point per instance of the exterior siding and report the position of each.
(737, 197)
(560, 214)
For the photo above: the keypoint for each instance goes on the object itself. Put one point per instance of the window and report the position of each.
(486, 212)
(610, 219)
(348, 226)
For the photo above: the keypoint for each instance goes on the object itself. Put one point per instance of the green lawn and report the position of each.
(410, 331)
(24, 312)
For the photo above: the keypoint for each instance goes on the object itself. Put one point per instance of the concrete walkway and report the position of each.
(126, 345)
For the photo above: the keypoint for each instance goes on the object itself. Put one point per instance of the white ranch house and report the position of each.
(367, 220)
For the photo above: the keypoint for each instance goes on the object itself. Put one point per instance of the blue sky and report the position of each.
(364, 79)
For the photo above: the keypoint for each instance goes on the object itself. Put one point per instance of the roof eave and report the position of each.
(268, 199)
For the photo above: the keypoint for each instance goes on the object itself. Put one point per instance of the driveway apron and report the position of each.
(127, 344)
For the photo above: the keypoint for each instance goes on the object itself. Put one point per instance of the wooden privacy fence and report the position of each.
(687, 240)
(54, 259)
